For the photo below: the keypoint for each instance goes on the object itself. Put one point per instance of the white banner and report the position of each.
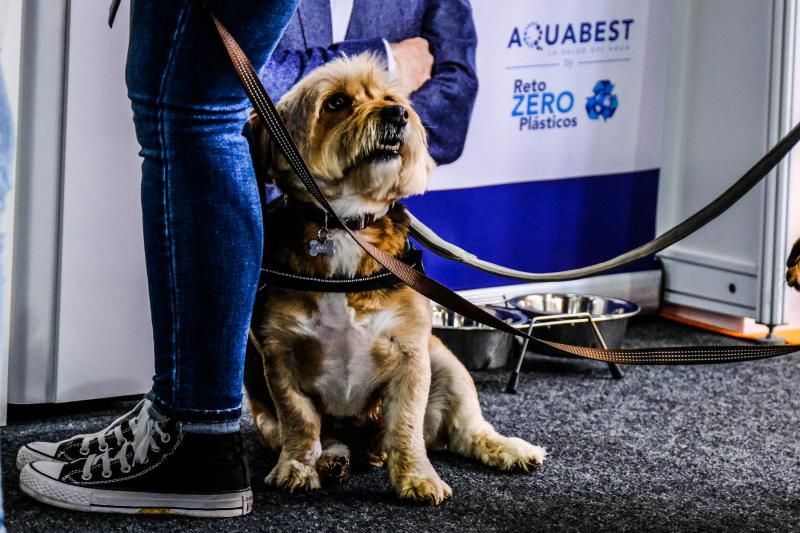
(567, 89)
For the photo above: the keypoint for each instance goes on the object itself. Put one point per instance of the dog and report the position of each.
(793, 266)
(356, 377)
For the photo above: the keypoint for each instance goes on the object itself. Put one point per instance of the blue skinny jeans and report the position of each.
(202, 219)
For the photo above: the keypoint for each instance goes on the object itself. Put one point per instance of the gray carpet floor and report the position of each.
(664, 449)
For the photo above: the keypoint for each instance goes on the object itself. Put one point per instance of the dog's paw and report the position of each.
(291, 475)
(334, 463)
(425, 488)
(508, 453)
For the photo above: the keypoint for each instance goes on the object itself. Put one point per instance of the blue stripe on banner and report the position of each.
(541, 226)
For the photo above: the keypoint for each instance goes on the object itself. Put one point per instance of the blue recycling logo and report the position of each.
(604, 103)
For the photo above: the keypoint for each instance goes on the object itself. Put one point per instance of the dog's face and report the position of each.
(357, 132)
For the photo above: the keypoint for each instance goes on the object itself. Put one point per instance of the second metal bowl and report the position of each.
(610, 314)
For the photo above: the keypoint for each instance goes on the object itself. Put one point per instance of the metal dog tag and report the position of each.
(323, 245)
(325, 248)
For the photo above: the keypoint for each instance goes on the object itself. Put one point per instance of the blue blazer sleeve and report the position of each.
(286, 67)
(445, 102)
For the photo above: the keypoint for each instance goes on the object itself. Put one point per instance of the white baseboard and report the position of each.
(641, 288)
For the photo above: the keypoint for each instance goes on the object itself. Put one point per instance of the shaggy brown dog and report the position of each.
(793, 266)
(357, 373)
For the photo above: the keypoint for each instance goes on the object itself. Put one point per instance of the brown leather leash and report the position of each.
(682, 355)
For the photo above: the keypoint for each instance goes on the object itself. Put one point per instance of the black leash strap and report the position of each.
(441, 294)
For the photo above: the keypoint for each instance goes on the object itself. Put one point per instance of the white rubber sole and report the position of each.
(27, 455)
(53, 492)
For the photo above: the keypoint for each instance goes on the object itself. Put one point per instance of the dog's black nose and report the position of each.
(395, 114)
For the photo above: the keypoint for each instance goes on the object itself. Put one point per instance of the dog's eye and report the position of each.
(337, 102)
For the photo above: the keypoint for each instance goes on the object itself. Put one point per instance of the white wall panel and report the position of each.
(104, 335)
(717, 127)
(37, 202)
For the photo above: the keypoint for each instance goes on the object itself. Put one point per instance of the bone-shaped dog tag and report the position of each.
(321, 245)
(327, 247)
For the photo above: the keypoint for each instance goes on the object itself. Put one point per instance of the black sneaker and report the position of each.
(161, 470)
(109, 439)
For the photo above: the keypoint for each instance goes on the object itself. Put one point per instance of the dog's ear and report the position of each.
(299, 109)
(261, 150)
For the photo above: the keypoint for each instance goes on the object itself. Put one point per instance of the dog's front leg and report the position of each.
(453, 419)
(405, 396)
(300, 434)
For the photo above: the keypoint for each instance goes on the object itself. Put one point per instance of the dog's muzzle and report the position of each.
(391, 132)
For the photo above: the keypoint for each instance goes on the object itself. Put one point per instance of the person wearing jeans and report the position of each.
(179, 450)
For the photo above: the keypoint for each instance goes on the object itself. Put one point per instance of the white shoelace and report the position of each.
(115, 429)
(143, 441)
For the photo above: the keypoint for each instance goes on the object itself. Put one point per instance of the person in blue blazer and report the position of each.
(429, 44)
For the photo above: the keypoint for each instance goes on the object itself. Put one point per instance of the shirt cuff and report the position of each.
(391, 66)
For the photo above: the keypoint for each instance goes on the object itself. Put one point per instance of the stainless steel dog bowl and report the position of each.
(477, 346)
(610, 314)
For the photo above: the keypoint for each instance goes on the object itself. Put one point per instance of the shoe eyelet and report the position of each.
(86, 477)
(106, 474)
(103, 448)
(125, 469)
(84, 451)
(165, 438)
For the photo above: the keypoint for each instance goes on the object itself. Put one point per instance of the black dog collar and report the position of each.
(311, 212)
